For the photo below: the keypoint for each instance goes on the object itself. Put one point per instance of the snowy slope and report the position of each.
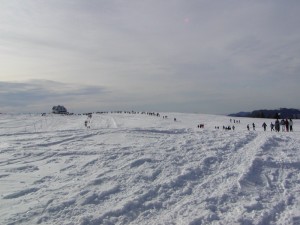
(141, 169)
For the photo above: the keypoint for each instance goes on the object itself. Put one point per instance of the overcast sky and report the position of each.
(160, 55)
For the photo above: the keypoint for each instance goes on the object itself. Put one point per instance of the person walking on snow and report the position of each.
(272, 126)
(253, 125)
(291, 125)
(287, 125)
(282, 123)
(264, 126)
(277, 125)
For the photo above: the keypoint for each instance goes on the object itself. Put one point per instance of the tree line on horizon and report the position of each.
(281, 113)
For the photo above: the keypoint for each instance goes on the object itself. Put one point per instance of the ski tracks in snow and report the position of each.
(261, 177)
(269, 182)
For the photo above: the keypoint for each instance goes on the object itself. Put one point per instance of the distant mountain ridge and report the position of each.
(266, 113)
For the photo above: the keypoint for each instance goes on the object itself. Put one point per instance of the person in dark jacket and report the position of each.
(272, 126)
(287, 125)
(264, 126)
(277, 125)
(291, 125)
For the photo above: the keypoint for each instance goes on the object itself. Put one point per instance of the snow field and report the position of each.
(140, 169)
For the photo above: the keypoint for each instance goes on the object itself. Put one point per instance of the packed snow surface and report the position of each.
(142, 169)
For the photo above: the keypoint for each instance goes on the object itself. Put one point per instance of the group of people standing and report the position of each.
(286, 125)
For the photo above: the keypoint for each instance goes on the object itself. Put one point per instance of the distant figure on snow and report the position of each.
(287, 125)
(248, 127)
(277, 125)
(264, 126)
(253, 125)
(291, 125)
(272, 126)
(282, 123)
(201, 125)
